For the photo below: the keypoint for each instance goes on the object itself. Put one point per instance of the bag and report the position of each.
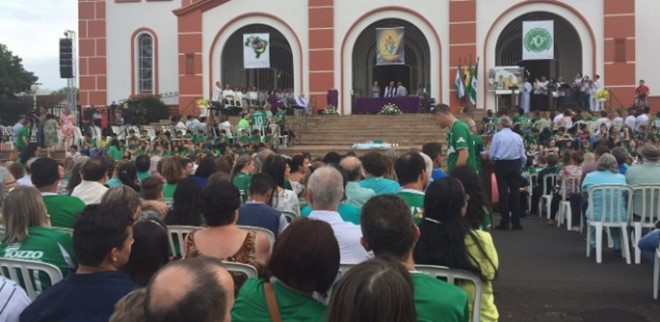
(494, 193)
(272, 303)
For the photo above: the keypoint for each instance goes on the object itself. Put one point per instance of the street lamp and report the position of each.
(34, 88)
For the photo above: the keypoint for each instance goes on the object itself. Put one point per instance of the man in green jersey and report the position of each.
(388, 229)
(460, 148)
(62, 209)
(23, 136)
(410, 169)
(259, 119)
(479, 149)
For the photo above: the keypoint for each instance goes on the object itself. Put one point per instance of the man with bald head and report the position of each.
(325, 192)
(197, 289)
(355, 194)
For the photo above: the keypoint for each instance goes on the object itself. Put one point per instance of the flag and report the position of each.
(466, 75)
(538, 40)
(256, 51)
(458, 84)
(474, 82)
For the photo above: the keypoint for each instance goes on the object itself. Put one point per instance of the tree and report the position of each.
(13, 79)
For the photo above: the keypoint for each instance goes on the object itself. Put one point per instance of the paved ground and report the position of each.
(544, 275)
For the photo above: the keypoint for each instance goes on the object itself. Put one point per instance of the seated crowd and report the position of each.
(104, 224)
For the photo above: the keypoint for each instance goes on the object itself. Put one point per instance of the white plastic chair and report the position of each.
(249, 270)
(549, 181)
(269, 234)
(565, 213)
(26, 273)
(649, 214)
(532, 179)
(609, 197)
(176, 234)
(453, 276)
(656, 273)
(289, 215)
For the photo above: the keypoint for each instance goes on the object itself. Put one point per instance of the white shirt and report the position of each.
(630, 121)
(348, 236)
(227, 127)
(301, 101)
(90, 192)
(13, 300)
(252, 95)
(26, 181)
(557, 120)
(228, 93)
(642, 119)
(217, 91)
(401, 91)
(604, 120)
(617, 121)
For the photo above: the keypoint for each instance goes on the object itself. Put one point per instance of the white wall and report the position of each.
(291, 12)
(436, 12)
(122, 20)
(488, 12)
(647, 45)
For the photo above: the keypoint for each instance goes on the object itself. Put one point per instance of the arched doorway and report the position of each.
(415, 74)
(567, 48)
(279, 76)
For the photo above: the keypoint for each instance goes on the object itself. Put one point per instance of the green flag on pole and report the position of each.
(474, 83)
(458, 84)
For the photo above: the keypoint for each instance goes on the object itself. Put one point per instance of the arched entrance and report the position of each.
(567, 48)
(279, 76)
(415, 74)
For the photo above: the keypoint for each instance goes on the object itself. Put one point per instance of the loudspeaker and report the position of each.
(66, 58)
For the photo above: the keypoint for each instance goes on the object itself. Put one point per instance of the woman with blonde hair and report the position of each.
(173, 173)
(28, 234)
(67, 125)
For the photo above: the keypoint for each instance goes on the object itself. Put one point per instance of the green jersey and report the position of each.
(458, 138)
(63, 210)
(242, 181)
(435, 298)
(22, 136)
(478, 148)
(415, 200)
(115, 152)
(280, 116)
(43, 245)
(258, 119)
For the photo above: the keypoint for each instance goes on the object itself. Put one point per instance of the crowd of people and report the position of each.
(102, 217)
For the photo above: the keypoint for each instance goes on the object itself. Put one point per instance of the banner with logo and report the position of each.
(389, 42)
(538, 40)
(256, 51)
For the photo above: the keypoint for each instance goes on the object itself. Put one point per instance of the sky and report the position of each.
(31, 29)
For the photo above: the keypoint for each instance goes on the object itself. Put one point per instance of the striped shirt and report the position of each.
(13, 300)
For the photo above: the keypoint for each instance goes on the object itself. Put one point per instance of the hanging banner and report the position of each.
(390, 46)
(256, 51)
(538, 40)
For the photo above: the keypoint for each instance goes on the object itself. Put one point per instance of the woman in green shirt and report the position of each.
(242, 173)
(173, 173)
(115, 151)
(305, 260)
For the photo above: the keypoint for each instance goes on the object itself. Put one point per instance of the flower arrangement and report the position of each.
(390, 109)
(203, 103)
(603, 94)
(330, 110)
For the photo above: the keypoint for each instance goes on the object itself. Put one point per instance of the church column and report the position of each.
(189, 23)
(92, 52)
(321, 51)
(462, 43)
(619, 75)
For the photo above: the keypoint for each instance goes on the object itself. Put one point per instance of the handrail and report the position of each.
(613, 96)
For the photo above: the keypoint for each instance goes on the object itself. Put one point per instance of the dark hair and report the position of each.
(444, 230)
(186, 204)
(442, 108)
(552, 159)
(297, 161)
(260, 184)
(142, 163)
(219, 203)
(433, 150)
(99, 229)
(408, 167)
(473, 187)
(275, 167)
(206, 168)
(620, 154)
(387, 226)
(29, 152)
(205, 299)
(375, 164)
(306, 256)
(127, 174)
(376, 290)
(45, 172)
(75, 178)
(94, 169)
(332, 157)
(150, 250)
(152, 187)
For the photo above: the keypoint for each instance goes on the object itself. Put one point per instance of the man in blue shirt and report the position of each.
(507, 152)
(256, 211)
(102, 240)
(434, 151)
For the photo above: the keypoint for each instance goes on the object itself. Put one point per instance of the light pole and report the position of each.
(71, 82)
(34, 88)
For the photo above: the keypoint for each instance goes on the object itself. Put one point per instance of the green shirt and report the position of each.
(436, 300)
(478, 148)
(348, 213)
(168, 190)
(43, 245)
(414, 199)
(280, 116)
(458, 138)
(294, 306)
(258, 118)
(63, 210)
(115, 152)
(22, 133)
(143, 175)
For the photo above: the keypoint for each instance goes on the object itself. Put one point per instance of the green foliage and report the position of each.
(147, 109)
(13, 79)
